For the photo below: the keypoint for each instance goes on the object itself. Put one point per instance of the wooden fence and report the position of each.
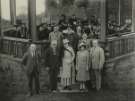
(16, 47)
(119, 46)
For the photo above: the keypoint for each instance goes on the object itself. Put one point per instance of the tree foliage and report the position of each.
(67, 2)
(82, 3)
(52, 3)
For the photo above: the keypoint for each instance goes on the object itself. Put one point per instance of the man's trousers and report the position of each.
(53, 79)
(34, 78)
(96, 78)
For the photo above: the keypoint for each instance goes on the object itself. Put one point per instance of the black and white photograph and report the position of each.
(67, 50)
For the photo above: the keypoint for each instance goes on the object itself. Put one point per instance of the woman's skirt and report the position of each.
(66, 74)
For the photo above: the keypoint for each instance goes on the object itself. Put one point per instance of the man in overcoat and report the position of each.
(31, 62)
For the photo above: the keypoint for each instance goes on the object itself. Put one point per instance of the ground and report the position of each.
(121, 87)
(103, 95)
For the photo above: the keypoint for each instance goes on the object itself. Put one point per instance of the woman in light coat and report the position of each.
(67, 65)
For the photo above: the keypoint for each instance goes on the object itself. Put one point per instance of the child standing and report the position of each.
(82, 65)
(86, 40)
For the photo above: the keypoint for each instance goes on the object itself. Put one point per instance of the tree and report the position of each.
(67, 2)
(84, 4)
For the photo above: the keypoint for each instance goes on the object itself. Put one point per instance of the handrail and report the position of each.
(120, 46)
(8, 29)
(116, 46)
(120, 37)
(16, 47)
(15, 39)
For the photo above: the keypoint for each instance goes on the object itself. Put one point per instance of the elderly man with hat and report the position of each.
(52, 61)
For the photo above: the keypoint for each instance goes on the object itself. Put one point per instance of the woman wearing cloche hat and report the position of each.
(82, 65)
(67, 65)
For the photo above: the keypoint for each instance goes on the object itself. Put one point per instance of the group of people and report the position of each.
(89, 26)
(81, 66)
(87, 63)
(18, 30)
(74, 58)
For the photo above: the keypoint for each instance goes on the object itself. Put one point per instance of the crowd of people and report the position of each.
(118, 29)
(89, 26)
(74, 56)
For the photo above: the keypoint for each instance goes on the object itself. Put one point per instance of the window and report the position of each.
(119, 16)
(5, 13)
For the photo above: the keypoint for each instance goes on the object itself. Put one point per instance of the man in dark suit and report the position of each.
(31, 61)
(52, 62)
(62, 22)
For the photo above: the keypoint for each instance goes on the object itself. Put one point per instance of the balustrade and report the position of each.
(116, 46)
(119, 46)
(16, 47)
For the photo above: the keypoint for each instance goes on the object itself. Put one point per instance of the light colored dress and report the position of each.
(67, 65)
(82, 66)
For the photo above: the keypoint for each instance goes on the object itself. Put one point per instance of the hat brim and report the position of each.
(82, 45)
